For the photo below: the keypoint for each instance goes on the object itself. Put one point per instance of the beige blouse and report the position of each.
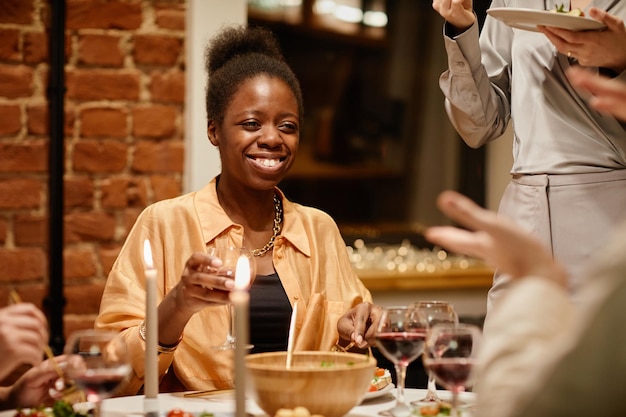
(309, 256)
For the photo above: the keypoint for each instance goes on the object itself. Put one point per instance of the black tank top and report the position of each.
(270, 314)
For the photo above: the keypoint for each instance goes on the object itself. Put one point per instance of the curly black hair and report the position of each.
(237, 54)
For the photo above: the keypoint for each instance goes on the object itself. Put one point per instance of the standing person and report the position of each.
(543, 355)
(568, 182)
(254, 109)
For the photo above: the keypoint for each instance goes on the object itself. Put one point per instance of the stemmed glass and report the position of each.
(229, 256)
(435, 312)
(98, 363)
(450, 353)
(400, 337)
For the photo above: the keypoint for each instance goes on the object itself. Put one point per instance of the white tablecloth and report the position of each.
(223, 405)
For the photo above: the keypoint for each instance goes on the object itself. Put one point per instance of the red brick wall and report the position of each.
(123, 137)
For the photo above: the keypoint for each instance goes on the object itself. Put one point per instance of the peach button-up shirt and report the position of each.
(309, 256)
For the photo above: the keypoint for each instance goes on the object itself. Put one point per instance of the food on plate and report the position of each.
(572, 12)
(296, 412)
(177, 412)
(434, 409)
(382, 378)
(34, 412)
(60, 408)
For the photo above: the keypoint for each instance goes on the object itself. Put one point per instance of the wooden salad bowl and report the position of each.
(326, 383)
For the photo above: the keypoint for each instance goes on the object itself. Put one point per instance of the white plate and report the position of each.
(378, 393)
(529, 19)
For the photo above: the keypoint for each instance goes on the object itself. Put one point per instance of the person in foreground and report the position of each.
(542, 354)
(254, 108)
(37, 387)
(23, 337)
(568, 178)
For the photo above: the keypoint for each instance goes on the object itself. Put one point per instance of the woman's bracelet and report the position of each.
(339, 348)
(161, 348)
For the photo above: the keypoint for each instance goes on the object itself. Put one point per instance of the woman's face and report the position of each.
(258, 139)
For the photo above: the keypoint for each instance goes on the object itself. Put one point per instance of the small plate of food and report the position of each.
(529, 19)
(380, 385)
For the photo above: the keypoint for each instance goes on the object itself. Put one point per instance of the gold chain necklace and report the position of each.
(278, 220)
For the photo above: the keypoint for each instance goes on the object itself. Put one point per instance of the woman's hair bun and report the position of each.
(241, 40)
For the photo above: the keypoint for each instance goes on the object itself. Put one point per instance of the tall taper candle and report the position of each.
(291, 338)
(151, 372)
(240, 298)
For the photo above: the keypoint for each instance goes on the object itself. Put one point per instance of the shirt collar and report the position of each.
(214, 221)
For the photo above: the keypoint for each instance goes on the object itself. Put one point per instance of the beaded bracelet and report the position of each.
(161, 348)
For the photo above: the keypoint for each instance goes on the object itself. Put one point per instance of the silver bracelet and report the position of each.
(160, 347)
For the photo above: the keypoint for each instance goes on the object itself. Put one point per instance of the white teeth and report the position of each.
(268, 162)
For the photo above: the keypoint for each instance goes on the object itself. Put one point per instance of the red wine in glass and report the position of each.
(453, 373)
(98, 363)
(402, 347)
(400, 337)
(435, 312)
(102, 383)
(449, 353)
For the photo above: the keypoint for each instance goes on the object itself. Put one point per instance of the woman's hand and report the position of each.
(359, 324)
(200, 285)
(23, 337)
(496, 240)
(458, 13)
(605, 48)
(198, 288)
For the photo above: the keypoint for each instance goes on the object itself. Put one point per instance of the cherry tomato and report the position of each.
(177, 412)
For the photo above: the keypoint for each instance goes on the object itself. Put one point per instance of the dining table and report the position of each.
(222, 404)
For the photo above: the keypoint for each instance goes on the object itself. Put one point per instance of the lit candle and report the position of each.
(151, 371)
(240, 299)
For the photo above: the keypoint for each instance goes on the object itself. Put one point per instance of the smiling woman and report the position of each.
(254, 115)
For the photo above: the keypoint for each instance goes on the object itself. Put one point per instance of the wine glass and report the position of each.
(229, 255)
(435, 312)
(400, 337)
(450, 353)
(97, 363)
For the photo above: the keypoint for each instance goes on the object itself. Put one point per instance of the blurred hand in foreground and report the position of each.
(37, 387)
(23, 337)
(608, 95)
(496, 240)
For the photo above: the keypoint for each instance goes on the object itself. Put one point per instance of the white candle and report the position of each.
(291, 339)
(151, 372)
(240, 299)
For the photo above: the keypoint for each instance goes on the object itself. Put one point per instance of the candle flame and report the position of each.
(242, 273)
(147, 254)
